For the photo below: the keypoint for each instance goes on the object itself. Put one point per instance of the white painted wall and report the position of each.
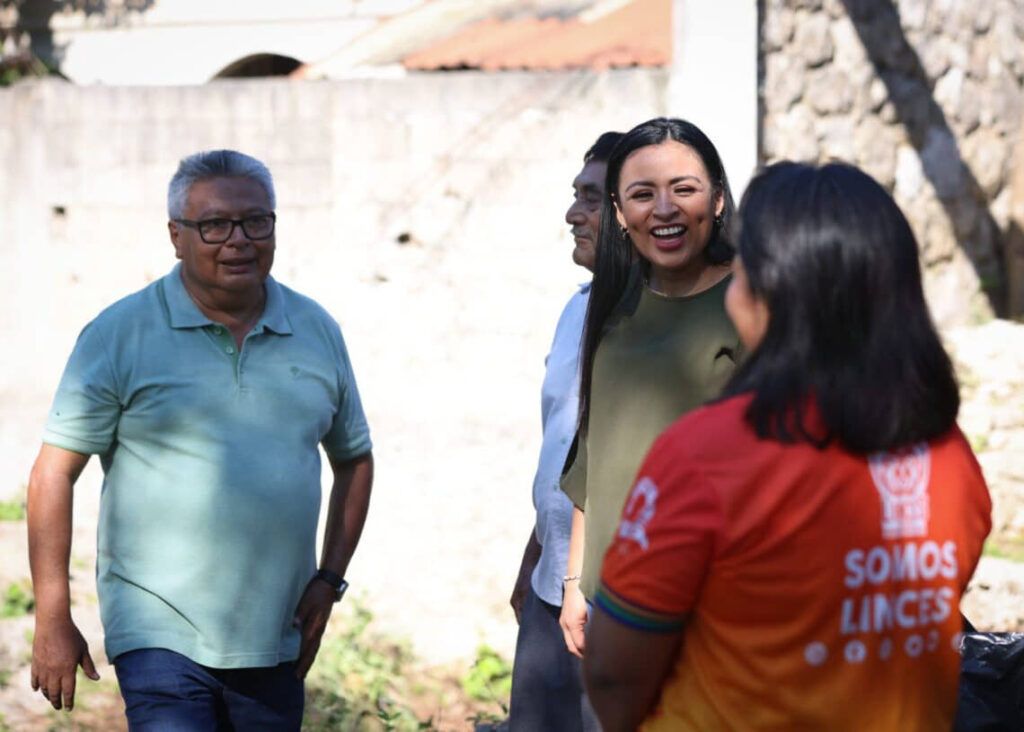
(188, 41)
(714, 78)
(447, 334)
(192, 53)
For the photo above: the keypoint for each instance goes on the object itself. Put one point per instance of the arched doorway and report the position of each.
(260, 64)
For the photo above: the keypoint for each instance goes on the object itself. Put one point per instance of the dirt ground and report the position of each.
(473, 548)
(990, 363)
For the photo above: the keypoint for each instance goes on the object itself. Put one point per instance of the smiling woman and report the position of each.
(668, 206)
(657, 342)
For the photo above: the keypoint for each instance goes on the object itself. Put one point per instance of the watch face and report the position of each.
(339, 591)
(334, 580)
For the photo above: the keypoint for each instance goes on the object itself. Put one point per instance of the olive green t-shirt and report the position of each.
(669, 356)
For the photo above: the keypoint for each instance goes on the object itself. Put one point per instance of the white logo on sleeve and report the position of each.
(902, 482)
(638, 512)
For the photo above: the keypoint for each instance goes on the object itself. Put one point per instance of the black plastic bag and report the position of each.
(991, 696)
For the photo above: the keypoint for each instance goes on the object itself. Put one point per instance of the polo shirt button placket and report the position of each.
(236, 363)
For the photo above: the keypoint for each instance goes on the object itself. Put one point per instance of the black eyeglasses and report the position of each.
(218, 231)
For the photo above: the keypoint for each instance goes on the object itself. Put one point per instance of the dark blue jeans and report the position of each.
(547, 687)
(166, 692)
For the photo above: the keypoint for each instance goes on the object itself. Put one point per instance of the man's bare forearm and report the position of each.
(49, 508)
(346, 513)
(531, 554)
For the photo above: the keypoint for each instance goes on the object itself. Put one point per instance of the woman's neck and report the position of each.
(676, 283)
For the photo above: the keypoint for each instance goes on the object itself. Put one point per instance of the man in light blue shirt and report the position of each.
(206, 396)
(547, 691)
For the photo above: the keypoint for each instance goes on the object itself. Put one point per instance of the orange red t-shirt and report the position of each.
(816, 589)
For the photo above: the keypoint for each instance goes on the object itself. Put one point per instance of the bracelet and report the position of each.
(567, 578)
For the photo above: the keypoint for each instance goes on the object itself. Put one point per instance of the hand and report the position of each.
(311, 618)
(57, 651)
(519, 596)
(521, 588)
(573, 618)
(531, 555)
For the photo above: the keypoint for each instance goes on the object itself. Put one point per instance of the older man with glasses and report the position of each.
(206, 396)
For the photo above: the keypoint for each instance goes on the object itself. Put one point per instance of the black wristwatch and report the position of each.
(336, 581)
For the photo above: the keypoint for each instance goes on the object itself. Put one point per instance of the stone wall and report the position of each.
(927, 96)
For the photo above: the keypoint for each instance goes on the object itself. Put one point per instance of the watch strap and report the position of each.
(335, 580)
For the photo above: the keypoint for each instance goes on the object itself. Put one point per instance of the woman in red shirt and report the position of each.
(792, 556)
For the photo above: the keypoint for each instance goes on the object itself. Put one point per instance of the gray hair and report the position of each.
(214, 164)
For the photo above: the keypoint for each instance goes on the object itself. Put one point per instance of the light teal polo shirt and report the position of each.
(211, 488)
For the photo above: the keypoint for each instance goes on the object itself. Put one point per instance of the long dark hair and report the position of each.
(835, 261)
(615, 282)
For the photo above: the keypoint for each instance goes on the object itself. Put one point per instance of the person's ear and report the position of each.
(618, 214)
(719, 202)
(174, 230)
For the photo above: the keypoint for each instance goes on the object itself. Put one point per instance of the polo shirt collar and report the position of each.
(275, 315)
(184, 313)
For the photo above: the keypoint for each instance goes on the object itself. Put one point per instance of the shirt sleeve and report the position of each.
(574, 475)
(979, 520)
(655, 566)
(87, 407)
(349, 435)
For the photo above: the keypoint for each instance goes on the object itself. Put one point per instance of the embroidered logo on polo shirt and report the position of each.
(902, 482)
(639, 511)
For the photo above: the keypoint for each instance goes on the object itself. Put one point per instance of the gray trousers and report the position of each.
(547, 687)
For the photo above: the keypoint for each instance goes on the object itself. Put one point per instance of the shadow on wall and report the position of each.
(36, 16)
(898, 66)
(1014, 244)
(258, 65)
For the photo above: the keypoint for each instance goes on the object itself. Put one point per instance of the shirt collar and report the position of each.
(184, 313)
(275, 315)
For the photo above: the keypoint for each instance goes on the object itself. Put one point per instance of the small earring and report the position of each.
(624, 232)
(719, 221)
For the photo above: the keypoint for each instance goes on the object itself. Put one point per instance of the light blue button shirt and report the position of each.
(211, 488)
(559, 405)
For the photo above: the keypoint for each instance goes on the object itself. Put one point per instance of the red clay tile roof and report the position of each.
(637, 34)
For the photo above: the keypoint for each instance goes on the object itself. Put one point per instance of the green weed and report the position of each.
(488, 680)
(12, 510)
(1009, 545)
(17, 600)
(979, 443)
(358, 681)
